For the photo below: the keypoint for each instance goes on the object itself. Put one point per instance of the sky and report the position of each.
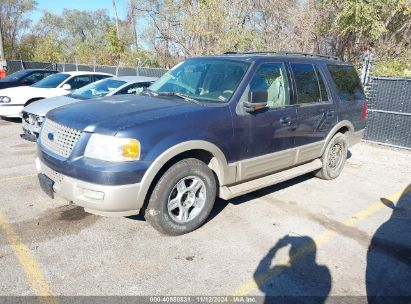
(57, 6)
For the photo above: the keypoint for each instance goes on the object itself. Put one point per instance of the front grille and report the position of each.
(59, 139)
(53, 175)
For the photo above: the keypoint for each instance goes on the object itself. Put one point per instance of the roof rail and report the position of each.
(307, 55)
(284, 53)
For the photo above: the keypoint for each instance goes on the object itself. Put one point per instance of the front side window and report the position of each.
(203, 79)
(347, 82)
(16, 76)
(53, 81)
(97, 89)
(35, 77)
(135, 88)
(79, 81)
(272, 77)
(306, 82)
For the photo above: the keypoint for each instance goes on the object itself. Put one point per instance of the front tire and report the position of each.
(334, 157)
(183, 198)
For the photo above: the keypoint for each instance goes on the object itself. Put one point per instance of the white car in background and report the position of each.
(12, 100)
(34, 114)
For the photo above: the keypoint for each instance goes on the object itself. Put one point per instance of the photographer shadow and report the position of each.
(301, 280)
(388, 274)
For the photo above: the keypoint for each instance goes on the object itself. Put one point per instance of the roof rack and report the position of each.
(307, 55)
(284, 53)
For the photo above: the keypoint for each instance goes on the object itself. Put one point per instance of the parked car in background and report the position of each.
(24, 78)
(33, 115)
(12, 100)
(212, 126)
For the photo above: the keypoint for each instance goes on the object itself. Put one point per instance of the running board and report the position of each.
(228, 192)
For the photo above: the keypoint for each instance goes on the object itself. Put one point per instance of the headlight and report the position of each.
(5, 99)
(112, 148)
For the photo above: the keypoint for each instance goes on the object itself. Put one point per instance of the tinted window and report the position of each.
(79, 81)
(323, 90)
(17, 75)
(134, 88)
(347, 82)
(53, 81)
(272, 77)
(210, 80)
(37, 76)
(97, 89)
(306, 81)
(99, 77)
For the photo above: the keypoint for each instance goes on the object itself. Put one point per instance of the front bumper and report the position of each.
(118, 200)
(10, 110)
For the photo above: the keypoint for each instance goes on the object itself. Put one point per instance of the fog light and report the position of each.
(97, 195)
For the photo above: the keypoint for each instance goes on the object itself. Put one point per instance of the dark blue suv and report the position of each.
(212, 126)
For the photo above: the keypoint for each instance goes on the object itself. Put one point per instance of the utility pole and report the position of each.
(3, 62)
(133, 15)
(116, 17)
(1, 43)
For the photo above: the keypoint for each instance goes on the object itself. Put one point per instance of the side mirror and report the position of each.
(257, 100)
(66, 86)
(28, 81)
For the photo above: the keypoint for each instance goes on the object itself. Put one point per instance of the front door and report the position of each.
(259, 135)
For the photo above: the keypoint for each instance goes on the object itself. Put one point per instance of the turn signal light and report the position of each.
(132, 149)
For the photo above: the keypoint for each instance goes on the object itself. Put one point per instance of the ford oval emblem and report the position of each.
(50, 136)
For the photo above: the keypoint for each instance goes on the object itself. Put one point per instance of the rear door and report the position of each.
(316, 113)
(350, 93)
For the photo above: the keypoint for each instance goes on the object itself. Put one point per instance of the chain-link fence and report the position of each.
(389, 111)
(17, 65)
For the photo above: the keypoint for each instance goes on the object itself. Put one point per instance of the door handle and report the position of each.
(285, 121)
(330, 114)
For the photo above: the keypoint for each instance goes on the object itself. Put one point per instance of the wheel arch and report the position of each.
(33, 100)
(344, 126)
(205, 151)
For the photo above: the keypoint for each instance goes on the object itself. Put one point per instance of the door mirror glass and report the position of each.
(66, 87)
(257, 100)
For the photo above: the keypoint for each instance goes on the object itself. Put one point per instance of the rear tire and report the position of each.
(183, 198)
(334, 157)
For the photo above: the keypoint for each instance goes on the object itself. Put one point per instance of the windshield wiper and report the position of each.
(182, 96)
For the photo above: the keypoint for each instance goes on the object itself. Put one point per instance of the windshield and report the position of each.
(16, 76)
(203, 79)
(53, 81)
(98, 89)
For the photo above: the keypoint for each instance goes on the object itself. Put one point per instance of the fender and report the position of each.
(218, 164)
(341, 124)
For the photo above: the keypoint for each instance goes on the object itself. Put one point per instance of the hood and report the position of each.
(7, 83)
(112, 114)
(41, 107)
(23, 93)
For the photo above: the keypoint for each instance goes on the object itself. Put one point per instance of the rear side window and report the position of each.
(79, 81)
(307, 83)
(347, 82)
